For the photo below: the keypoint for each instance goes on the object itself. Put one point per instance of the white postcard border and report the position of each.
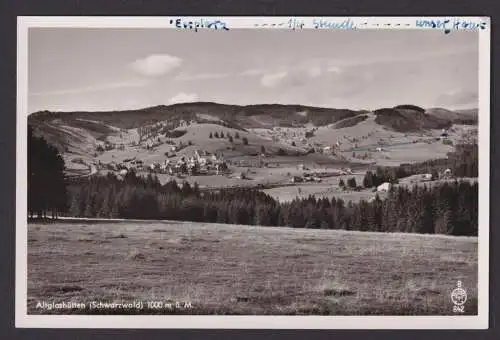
(23, 320)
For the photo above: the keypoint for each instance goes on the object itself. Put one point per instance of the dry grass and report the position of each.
(224, 269)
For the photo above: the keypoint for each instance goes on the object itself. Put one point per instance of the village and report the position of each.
(285, 162)
(192, 166)
(282, 181)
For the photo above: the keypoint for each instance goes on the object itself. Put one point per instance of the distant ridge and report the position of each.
(81, 128)
(270, 114)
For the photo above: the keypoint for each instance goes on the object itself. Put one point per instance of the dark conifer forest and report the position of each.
(448, 208)
(46, 183)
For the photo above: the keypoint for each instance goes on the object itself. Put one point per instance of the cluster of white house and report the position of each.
(184, 165)
(305, 178)
(191, 165)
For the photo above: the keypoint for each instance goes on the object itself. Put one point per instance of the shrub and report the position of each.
(245, 141)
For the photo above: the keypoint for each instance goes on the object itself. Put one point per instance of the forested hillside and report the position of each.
(446, 209)
(449, 208)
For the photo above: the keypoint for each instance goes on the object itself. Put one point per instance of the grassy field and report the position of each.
(227, 269)
(302, 191)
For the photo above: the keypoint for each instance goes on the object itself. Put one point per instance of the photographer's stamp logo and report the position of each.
(458, 297)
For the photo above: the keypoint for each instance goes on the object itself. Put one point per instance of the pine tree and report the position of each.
(341, 183)
(74, 208)
(427, 215)
(368, 180)
(104, 210)
(351, 182)
(89, 206)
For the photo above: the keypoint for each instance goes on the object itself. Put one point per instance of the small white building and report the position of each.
(427, 177)
(384, 187)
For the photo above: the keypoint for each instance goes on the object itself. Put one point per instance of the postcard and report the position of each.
(253, 172)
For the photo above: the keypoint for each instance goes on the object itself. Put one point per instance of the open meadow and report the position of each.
(232, 269)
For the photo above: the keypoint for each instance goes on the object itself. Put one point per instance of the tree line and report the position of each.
(450, 208)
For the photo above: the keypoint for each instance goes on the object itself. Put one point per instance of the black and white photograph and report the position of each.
(288, 167)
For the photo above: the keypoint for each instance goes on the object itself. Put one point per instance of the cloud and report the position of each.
(458, 98)
(273, 79)
(93, 88)
(202, 76)
(314, 71)
(252, 72)
(156, 65)
(183, 97)
(296, 75)
(334, 69)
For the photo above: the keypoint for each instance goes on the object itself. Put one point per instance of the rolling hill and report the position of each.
(257, 116)
(75, 131)
(407, 118)
(79, 132)
(469, 116)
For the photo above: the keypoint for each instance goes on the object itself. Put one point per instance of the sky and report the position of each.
(117, 69)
